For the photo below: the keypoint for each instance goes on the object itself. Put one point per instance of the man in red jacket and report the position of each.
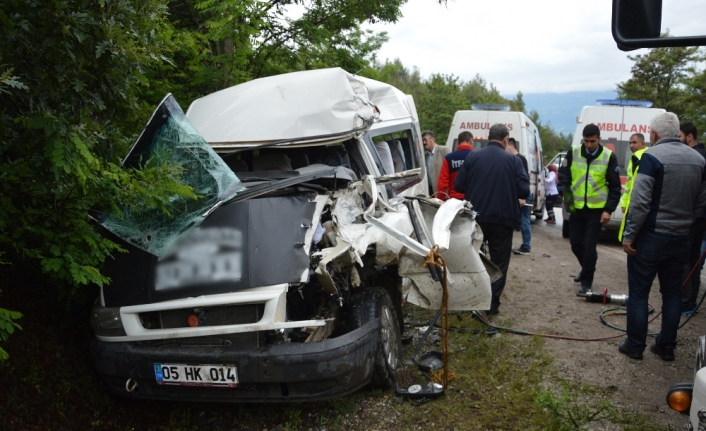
(450, 166)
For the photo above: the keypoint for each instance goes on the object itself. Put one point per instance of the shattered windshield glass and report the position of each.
(170, 138)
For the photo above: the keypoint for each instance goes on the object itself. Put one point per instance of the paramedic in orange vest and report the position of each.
(590, 182)
(451, 164)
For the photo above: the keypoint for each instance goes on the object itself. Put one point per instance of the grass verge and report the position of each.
(503, 382)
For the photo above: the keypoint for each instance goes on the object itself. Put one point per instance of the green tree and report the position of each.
(439, 97)
(661, 76)
(72, 75)
(695, 103)
(220, 43)
(438, 102)
(552, 142)
(408, 81)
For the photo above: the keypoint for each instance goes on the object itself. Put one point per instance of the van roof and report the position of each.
(312, 105)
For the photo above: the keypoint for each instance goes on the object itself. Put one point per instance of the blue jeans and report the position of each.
(525, 227)
(665, 257)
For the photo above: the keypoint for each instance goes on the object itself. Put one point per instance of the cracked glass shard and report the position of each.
(169, 138)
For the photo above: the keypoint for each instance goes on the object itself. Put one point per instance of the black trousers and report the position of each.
(499, 239)
(584, 230)
(690, 291)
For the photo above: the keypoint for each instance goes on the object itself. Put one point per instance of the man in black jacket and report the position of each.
(591, 174)
(493, 181)
(690, 291)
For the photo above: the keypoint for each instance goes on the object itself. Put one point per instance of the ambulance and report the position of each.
(617, 120)
(478, 121)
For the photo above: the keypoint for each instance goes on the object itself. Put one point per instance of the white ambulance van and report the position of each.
(617, 120)
(478, 121)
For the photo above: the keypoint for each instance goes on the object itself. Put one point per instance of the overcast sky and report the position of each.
(531, 46)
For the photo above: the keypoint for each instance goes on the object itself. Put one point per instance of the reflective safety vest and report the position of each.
(588, 181)
(625, 200)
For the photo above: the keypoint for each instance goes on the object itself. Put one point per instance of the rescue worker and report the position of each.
(590, 182)
(638, 147)
(450, 166)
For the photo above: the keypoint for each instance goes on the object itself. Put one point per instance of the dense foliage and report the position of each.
(70, 99)
(673, 79)
(220, 43)
(438, 97)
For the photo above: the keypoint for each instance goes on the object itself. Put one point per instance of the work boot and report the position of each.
(665, 353)
(625, 350)
(577, 279)
(584, 289)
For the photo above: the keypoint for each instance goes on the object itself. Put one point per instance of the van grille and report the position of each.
(208, 316)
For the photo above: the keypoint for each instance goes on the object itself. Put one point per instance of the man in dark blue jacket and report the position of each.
(493, 181)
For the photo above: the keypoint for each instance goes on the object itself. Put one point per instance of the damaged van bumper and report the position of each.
(285, 372)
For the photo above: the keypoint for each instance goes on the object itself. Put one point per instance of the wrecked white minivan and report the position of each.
(285, 282)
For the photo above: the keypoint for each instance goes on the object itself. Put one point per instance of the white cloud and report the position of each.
(520, 45)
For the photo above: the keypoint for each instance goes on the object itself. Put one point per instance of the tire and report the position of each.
(367, 305)
(565, 229)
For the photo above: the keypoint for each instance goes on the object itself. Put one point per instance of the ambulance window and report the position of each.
(479, 143)
(622, 152)
(533, 157)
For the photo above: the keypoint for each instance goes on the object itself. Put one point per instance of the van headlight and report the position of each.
(106, 322)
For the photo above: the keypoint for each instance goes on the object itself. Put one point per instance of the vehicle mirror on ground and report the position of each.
(638, 24)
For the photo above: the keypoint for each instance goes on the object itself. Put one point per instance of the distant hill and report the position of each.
(561, 109)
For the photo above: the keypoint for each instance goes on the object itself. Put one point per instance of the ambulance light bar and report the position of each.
(489, 107)
(621, 102)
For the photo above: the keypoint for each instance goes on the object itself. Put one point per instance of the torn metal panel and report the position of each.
(342, 254)
(451, 225)
(469, 281)
(387, 179)
(318, 333)
(441, 228)
(361, 230)
(470, 289)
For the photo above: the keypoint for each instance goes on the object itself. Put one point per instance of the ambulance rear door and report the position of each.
(475, 122)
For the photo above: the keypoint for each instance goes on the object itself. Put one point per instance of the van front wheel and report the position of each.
(370, 304)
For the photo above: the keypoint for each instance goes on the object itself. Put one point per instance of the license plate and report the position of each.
(196, 375)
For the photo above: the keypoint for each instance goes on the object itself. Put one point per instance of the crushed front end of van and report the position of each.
(285, 281)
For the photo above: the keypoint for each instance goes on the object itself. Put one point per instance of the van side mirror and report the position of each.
(637, 23)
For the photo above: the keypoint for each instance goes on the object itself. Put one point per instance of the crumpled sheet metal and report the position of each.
(469, 281)
(341, 254)
(355, 228)
(390, 232)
